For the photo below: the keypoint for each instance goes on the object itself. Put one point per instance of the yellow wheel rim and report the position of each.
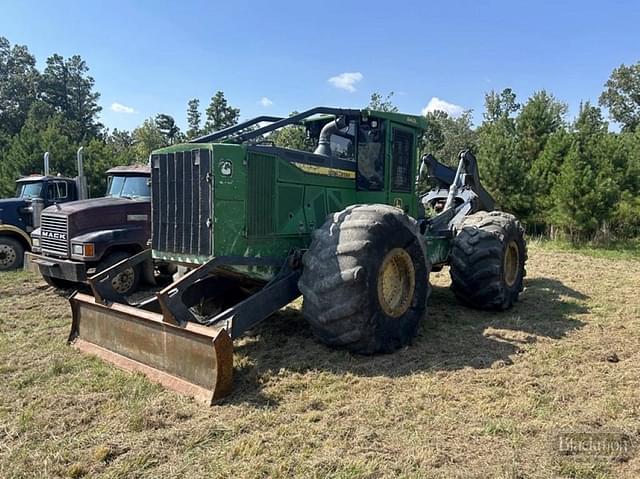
(511, 263)
(396, 282)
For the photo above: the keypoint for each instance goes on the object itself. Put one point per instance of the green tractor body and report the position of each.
(254, 225)
(262, 200)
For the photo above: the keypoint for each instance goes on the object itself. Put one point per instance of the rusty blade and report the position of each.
(194, 360)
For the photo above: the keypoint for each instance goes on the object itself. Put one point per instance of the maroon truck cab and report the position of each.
(80, 238)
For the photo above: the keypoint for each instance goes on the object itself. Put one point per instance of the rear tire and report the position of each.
(11, 254)
(488, 258)
(125, 283)
(365, 280)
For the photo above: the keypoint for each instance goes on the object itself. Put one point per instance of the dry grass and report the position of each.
(477, 395)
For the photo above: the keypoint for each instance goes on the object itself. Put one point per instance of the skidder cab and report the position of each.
(336, 219)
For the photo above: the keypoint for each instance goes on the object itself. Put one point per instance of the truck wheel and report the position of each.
(11, 254)
(126, 282)
(365, 279)
(488, 259)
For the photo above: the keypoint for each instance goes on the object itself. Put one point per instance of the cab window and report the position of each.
(370, 165)
(57, 190)
(29, 190)
(129, 187)
(402, 160)
(342, 144)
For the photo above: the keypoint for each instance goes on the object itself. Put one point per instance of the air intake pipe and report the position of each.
(81, 181)
(46, 163)
(324, 141)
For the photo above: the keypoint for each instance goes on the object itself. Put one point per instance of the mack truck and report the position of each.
(20, 215)
(257, 225)
(77, 239)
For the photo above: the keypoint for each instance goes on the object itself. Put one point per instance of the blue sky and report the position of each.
(272, 57)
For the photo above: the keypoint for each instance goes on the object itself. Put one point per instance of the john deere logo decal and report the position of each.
(226, 168)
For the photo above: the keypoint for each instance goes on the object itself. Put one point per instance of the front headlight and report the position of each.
(35, 242)
(87, 250)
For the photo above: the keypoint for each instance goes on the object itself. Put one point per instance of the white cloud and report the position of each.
(437, 104)
(264, 101)
(346, 81)
(120, 108)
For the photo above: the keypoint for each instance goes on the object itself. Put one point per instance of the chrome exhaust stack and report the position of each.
(46, 163)
(81, 180)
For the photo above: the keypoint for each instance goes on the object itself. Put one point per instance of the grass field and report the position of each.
(478, 394)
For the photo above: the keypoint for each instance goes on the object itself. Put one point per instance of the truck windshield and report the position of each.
(129, 187)
(29, 190)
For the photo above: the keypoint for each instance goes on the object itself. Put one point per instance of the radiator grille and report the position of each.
(181, 188)
(54, 235)
(261, 199)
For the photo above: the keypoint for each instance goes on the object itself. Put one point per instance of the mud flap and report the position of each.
(193, 360)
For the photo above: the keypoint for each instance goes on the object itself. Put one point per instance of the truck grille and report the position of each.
(181, 197)
(54, 235)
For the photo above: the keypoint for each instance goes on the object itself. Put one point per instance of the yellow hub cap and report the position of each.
(511, 263)
(396, 282)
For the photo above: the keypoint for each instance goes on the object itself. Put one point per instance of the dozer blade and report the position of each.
(193, 359)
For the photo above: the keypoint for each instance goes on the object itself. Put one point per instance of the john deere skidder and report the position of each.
(256, 225)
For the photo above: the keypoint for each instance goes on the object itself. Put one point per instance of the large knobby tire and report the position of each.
(127, 282)
(11, 254)
(365, 279)
(488, 258)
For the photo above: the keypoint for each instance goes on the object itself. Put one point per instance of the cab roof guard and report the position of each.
(277, 122)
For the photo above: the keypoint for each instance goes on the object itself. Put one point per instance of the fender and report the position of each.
(15, 230)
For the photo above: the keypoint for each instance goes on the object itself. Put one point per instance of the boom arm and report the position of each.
(466, 175)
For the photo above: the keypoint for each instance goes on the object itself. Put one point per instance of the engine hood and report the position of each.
(10, 209)
(101, 213)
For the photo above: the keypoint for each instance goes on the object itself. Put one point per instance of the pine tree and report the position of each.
(167, 126)
(193, 118)
(502, 168)
(584, 194)
(68, 89)
(25, 154)
(540, 117)
(18, 86)
(544, 173)
(147, 137)
(219, 114)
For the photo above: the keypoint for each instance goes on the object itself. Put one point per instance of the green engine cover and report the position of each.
(223, 199)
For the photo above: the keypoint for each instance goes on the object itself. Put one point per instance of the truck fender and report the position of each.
(11, 230)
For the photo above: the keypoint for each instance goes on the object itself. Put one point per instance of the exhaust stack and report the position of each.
(324, 141)
(81, 180)
(46, 163)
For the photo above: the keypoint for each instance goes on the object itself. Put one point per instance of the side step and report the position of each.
(193, 360)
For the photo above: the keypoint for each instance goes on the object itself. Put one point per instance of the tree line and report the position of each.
(572, 179)
(576, 179)
(57, 110)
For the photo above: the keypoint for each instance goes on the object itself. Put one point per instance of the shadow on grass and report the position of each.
(452, 337)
